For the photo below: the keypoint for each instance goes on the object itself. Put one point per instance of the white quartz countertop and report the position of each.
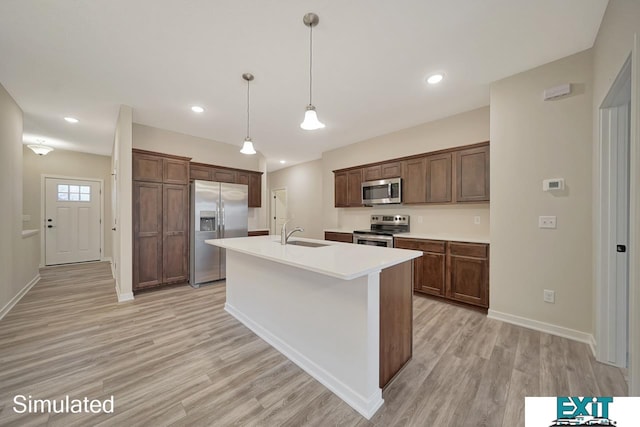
(338, 230)
(448, 237)
(342, 260)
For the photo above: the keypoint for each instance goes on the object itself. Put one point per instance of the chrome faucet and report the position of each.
(284, 236)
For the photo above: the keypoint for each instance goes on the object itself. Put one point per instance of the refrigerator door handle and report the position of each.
(222, 217)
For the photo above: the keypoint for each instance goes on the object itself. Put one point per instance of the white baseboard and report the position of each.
(593, 345)
(123, 297)
(105, 259)
(549, 328)
(365, 405)
(18, 297)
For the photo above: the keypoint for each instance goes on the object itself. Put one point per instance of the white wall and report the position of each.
(462, 129)
(204, 151)
(303, 182)
(531, 140)
(613, 45)
(19, 258)
(123, 221)
(65, 163)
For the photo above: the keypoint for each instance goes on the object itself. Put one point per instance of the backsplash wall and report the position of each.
(449, 220)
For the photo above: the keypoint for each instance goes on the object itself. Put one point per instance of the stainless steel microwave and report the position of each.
(382, 192)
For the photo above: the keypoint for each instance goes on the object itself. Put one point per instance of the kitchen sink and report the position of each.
(308, 244)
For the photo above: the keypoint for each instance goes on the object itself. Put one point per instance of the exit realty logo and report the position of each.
(581, 411)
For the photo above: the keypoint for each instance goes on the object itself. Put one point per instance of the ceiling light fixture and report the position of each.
(197, 109)
(282, 162)
(247, 147)
(435, 79)
(71, 119)
(311, 121)
(40, 150)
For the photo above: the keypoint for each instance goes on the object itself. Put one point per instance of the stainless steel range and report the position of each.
(383, 227)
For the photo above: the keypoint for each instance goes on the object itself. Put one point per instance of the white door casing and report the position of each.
(278, 209)
(72, 220)
(612, 323)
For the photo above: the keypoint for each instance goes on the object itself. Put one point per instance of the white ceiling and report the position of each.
(85, 58)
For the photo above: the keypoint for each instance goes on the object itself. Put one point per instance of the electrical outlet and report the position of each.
(476, 220)
(549, 296)
(546, 222)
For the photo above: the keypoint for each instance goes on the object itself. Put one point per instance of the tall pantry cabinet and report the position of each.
(160, 219)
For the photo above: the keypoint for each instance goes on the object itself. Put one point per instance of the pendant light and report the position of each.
(311, 121)
(39, 149)
(247, 147)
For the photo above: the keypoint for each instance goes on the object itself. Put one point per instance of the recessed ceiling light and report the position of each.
(283, 161)
(197, 109)
(71, 119)
(434, 79)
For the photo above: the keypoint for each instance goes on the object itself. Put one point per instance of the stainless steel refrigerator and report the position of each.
(218, 210)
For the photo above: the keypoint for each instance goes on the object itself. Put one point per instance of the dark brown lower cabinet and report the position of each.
(338, 237)
(147, 234)
(468, 265)
(160, 234)
(175, 233)
(453, 270)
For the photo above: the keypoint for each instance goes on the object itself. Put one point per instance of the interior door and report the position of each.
(72, 221)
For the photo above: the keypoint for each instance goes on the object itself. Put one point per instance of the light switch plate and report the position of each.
(549, 296)
(546, 222)
(476, 220)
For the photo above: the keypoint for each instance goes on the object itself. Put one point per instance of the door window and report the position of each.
(74, 193)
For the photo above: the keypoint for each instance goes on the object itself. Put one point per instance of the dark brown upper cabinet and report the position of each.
(382, 171)
(472, 174)
(252, 179)
(453, 175)
(147, 167)
(439, 178)
(348, 188)
(414, 173)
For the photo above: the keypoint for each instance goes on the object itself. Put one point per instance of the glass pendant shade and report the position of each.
(247, 147)
(311, 121)
(40, 150)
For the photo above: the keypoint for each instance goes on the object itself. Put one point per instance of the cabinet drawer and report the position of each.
(338, 237)
(477, 250)
(436, 246)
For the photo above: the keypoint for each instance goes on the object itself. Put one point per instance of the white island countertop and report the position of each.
(342, 260)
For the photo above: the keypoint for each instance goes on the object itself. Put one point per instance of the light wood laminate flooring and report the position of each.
(175, 357)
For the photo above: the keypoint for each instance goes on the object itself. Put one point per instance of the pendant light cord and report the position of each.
(310, 61)
(248, 108)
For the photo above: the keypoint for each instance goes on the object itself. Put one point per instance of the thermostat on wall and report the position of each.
(553, 184)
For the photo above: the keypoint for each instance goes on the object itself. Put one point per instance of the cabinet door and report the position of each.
(472, 174)
(146, 167)
(338, 237)
(255, 190)
(175, 171)
(175, 224)
(372, 173)
(253, 180)
(200, 172)
(413, 180)
(147, 234)
(429, 270)
(439, 178)
(391, 170)
(341, 189)
(469, 273)
(355, 187)
(224, 175)
(432, 280)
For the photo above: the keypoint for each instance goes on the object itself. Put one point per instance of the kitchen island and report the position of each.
(342, 312)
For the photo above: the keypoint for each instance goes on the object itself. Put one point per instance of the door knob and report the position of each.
(49, 220)
(621, 248)
(51, 226)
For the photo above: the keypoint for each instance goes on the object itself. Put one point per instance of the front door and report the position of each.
(72, 221)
